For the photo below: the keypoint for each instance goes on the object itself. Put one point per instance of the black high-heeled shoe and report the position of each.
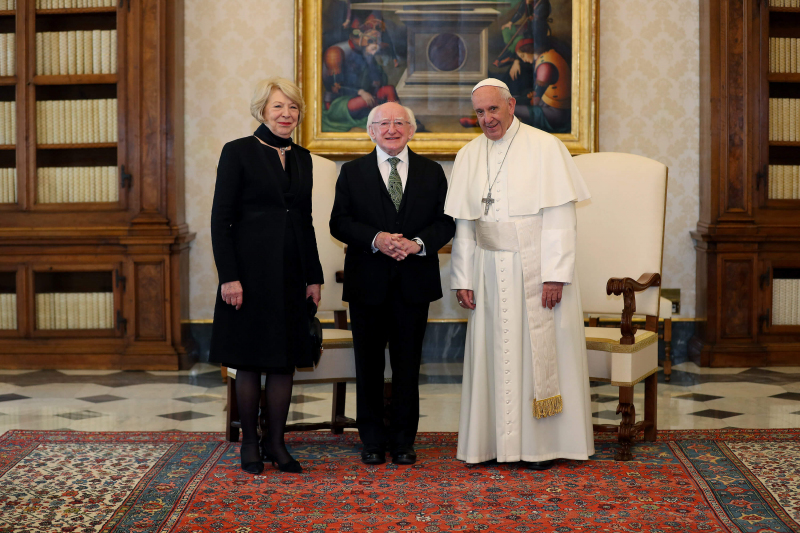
(291, 467)
(248, 452)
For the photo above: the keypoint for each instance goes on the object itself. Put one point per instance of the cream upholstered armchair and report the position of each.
(619, 255)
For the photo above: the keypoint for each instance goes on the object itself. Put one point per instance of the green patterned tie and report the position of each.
(395, 185)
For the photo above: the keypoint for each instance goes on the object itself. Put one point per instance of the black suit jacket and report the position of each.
(363, 207)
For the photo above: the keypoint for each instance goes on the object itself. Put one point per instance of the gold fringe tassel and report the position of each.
(547, 407)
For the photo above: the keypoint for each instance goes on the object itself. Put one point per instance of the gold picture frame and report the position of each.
(309, 66)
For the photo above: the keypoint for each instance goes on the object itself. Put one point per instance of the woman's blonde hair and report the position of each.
(264, 89)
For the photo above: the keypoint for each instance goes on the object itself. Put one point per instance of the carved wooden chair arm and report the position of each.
(628, 287)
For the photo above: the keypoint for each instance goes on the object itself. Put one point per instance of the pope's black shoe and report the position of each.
(539, 465)
(404, 455)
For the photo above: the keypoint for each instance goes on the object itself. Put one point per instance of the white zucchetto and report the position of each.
(491, 82)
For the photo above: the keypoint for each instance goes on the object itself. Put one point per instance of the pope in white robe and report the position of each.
(525, 389)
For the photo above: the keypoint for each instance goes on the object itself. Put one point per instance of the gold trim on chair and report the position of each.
(645, 339)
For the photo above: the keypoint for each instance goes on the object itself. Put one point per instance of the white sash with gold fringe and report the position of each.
(524, 237)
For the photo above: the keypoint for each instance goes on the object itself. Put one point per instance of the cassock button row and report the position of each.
(505, 331)
(508, 401)
(504, 290)
(508, 381)
(502, 270)
(507, 371)
(509, 433)
(503, 280)
(504, 299)
(506, 351)
(504, 310)
(505, 320)
(506, 341)
(506, 360)
(508, 422)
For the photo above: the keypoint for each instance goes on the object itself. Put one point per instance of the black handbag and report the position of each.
(314, 331)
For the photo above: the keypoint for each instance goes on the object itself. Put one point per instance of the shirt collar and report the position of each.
(383, 156)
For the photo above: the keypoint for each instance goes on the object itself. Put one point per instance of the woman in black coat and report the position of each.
(266, 255)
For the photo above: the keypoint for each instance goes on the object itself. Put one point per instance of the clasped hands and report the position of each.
(551, 295)
(395, 245)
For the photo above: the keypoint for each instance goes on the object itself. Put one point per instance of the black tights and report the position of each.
(279, 395)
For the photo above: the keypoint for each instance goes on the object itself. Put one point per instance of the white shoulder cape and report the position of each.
(541, 174)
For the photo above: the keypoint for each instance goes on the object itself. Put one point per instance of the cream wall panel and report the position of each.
(648, 105)
(230, 45)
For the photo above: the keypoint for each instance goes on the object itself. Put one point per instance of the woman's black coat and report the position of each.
(249, 221)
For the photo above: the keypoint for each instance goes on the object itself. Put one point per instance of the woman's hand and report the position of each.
(315, 291)
(516, 68)
(232, 293)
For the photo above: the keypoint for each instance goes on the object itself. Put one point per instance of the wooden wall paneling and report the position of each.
(145, 234)
(26, 105)
(150, 286)
(179, 279)
(734, 189)
(124, 43)
(739, 230)
(152, 111)
(176, 192)
(737, 297)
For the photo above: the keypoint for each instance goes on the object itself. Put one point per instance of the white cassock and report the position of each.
(538, 181)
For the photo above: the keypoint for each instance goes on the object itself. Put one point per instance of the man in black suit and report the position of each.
(389, 210)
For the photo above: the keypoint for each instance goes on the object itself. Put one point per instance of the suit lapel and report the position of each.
(411, 183)
(376, 186)
(374, 173)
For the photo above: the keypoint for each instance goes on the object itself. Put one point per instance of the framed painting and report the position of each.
(352, 55)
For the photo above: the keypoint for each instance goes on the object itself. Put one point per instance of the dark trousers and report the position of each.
(402, 325)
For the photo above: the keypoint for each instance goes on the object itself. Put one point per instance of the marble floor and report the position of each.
(194, 400)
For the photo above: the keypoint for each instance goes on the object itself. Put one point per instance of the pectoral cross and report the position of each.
(488, 201)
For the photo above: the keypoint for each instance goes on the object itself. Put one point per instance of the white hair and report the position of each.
(410, 114)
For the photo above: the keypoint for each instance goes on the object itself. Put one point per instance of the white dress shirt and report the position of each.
(385, 168)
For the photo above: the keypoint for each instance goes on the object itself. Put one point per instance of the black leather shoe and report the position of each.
(373, 457)
(539, 465)
(292, 466)
(404, 455)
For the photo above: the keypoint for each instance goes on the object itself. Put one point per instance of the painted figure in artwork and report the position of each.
(354, 78)
(536, 69)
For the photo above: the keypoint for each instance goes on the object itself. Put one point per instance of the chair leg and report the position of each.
(650, 406)
(340, 319)
(232, 433)
(337, 409)
(626, 431)
(224, 370)
(667, 349)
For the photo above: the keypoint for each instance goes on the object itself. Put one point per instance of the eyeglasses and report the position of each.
(398, 124)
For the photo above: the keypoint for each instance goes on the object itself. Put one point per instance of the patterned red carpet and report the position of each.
(689, 481)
